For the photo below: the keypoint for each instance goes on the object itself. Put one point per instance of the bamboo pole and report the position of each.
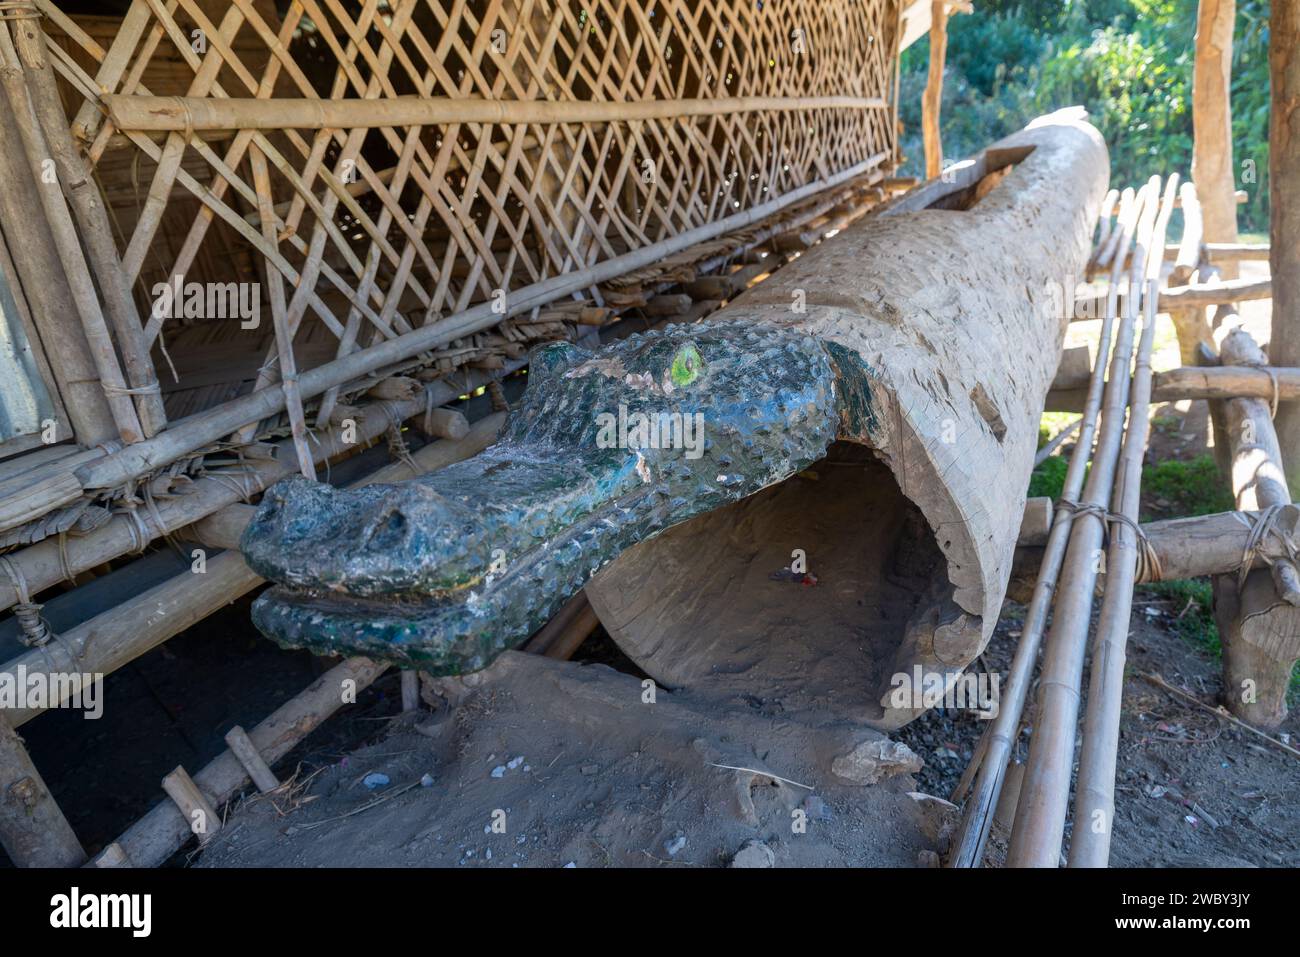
(1044, 797)
(18, 109)
(95, 231)
(1227, 382)
(156, 836)
(40, 278)
(206, 427)
(1229, 252)
(977, 815)
(150, 114)
(283, 334)
(1094, 804)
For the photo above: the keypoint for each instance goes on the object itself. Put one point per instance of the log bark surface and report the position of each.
(934, 301)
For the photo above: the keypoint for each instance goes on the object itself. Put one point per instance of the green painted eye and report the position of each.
(688, 364)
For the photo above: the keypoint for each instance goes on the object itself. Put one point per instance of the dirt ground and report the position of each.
(540, 763)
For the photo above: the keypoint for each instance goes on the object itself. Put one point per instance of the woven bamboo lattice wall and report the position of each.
(374, 230)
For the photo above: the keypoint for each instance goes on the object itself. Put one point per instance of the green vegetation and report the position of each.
(1128, 61)
(1049, 478)
(1182, 489)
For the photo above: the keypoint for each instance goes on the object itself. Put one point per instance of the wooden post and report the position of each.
(1259, 622)
(1212, 123)
(244, 749)
(933, 97)
(932, 100)
(203, 819)
(33, 830)
(1284, 203)
(1189, 320)
(410, 690)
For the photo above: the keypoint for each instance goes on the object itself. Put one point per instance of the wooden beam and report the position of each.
(1284, 206)
(1212, 167)
(1228, 252)
(1212, 294)
(1227, 382)
(176, 113)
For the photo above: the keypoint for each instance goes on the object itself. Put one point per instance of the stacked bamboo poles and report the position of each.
(69, 259)
(31, 248)
(1094, 804)
(1044, 797)
(977, 817)
(91, 217)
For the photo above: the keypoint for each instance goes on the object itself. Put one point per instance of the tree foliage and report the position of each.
(1128, 61)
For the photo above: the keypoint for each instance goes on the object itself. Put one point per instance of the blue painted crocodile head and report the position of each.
(606, 449)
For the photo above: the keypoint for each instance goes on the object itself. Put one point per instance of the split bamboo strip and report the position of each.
(153, 114)
(1044, 796)
(283, 333)
(1094, 803)
(977, 815)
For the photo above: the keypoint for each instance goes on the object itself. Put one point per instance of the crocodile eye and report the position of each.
(687, 366)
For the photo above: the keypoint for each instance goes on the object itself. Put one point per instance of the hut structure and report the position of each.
(246, 239)
(249, 239)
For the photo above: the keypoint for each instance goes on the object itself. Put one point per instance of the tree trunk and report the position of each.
(1212, 170)
(1284, 201)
